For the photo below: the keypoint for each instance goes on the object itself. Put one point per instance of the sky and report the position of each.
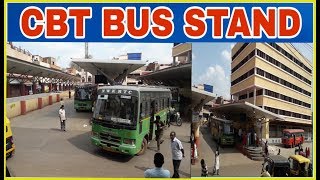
(63, 52)
(211, 64)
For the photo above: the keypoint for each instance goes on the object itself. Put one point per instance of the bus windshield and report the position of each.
(83, 94)
(287, 135)
(117, 108)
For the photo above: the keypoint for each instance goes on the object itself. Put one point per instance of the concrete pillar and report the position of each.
(58, 97)
(42, 87)
(50, 100)
(23, 107)
(50, 87)
(254, 95)
(34, 88)
(39, 103)
(265, 129)
(22, 89)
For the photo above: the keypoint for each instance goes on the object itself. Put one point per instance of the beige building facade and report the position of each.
(277, 78)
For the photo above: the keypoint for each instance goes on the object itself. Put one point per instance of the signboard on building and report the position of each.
(208, 88)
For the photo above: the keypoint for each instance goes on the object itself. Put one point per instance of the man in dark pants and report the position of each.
(69, 94)
(159, 131)
(177, 153)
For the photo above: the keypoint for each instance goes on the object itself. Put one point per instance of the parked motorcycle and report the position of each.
(175, 117)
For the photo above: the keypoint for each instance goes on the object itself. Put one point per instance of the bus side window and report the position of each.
(142, 114)
(148, 108)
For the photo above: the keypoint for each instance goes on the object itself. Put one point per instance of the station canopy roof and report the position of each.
(18, 66)
(201, 97)
(235, 109)
(112, 68)
(177, 76)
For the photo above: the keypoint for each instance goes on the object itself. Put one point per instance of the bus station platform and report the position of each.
(17, 106)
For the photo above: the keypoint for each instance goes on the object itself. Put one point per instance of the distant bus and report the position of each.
(222, 131)
(292, 137)
(84, 97)
(122, 120)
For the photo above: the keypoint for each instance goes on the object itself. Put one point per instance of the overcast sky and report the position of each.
(64, 51)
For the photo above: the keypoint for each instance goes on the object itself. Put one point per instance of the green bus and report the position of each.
(122, 119)
(222, 131)
(84, 97)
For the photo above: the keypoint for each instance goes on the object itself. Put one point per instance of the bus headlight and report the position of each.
(129, 141)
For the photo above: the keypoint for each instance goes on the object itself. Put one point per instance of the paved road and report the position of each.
(42, 150)
(232, 162)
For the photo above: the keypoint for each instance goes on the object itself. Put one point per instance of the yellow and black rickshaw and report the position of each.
(300, 166)
(10, 147)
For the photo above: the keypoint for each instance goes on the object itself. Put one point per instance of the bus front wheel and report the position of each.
(143, 147)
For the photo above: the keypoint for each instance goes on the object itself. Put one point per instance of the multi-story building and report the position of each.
(182, 53)
(277, 78)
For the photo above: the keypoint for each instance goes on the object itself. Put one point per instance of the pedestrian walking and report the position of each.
(61, 102)
(62, 115)
(159, 131)
(69, 94)
(266, 151)
(204, 169)
(177, 153)
(158, 171)
(216, 162)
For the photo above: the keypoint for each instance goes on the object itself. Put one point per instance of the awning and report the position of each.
(200, 97)
(27, 68)
(178, 76)
(113, 68)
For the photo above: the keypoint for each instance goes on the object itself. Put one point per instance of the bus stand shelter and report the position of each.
(247, 116)
(23, 74)
(176, 76)
(112, 72)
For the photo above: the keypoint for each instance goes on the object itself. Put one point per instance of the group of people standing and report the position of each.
(248, 138)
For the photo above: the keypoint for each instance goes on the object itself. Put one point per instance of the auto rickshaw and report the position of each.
(299, 166)
(276, 165)
(10, 146)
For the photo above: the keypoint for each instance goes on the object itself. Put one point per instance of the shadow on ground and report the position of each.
(83, 142)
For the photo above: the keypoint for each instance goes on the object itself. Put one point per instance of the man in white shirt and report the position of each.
(157, 171)
(62, 115)
(177, 153)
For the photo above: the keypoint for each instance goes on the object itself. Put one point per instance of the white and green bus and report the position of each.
(122, 120)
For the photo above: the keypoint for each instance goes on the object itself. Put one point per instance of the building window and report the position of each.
(287, 113)
(288, 55)
(284, 82)
(282, 66)
(251, 95)
(239, 51)
(243, 77)
(259, 92)
(244, 96)
(241, 63)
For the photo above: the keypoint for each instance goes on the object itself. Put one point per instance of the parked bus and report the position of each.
(122, 120)
(85, 96)
(222, 131)
(292, 137)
